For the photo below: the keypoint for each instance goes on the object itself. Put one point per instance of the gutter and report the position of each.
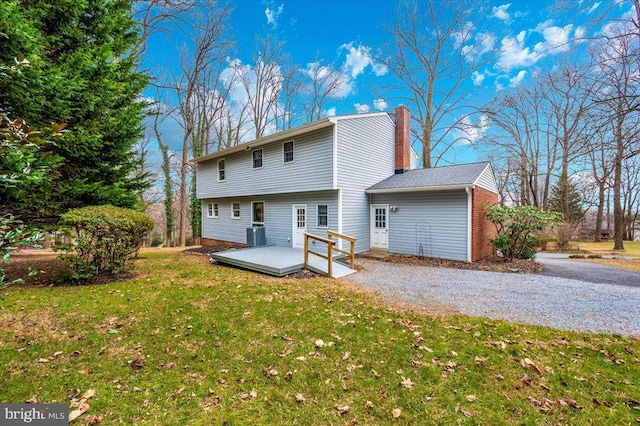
(465, 187)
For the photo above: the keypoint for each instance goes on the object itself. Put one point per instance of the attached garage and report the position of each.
(436, 212)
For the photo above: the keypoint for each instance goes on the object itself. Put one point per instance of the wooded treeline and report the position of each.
(564, 139)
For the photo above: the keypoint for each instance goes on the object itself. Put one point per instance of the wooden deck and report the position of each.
(278, 261)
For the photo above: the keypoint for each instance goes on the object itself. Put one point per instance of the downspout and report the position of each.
(469, 191)
(335, 180)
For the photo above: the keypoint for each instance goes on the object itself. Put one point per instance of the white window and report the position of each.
(257, 213)
(323, 216)
(287, 152)
(257, 159)
(212, 210)
(221, 170)
(235, 210)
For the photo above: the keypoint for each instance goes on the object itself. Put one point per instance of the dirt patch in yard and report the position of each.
(493, 264)
(51, 268)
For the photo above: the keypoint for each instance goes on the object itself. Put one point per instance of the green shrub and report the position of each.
(156, 240)
(105, 237)
(13, 235)
(517, 229)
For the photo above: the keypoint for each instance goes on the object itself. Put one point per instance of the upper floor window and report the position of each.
(287, 152)
(221, 171)
(257, 158)
(323, 216)
(212, 210)
(235, 210)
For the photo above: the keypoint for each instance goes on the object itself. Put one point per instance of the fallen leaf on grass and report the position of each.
(526, 362)
(288, 376)
(346, 356)
(407, 383)
(478, 360)
(471, 398)
(368, 404)
(396, 413)
(343, 409)
(82, 408)
(319, 343)
(269, 371)
(300, 397)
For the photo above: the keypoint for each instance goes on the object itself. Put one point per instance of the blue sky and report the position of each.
(530, 35)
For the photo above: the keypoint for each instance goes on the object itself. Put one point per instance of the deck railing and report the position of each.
(330, 249)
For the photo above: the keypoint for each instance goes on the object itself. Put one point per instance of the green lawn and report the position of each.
(190, 343)
(631, 248)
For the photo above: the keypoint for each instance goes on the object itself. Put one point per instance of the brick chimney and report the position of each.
(403, 139)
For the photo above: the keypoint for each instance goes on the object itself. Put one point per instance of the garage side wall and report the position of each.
(444, 213)
(482, 228)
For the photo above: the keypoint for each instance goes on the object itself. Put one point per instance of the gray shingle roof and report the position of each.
(455, 176)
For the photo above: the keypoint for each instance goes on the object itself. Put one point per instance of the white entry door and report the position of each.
(299, 225)
(379, 226)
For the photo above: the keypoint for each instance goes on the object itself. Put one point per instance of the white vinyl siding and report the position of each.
(445, 214)
(277, 217)
(312, 169)
(366, 155)
(486, 180)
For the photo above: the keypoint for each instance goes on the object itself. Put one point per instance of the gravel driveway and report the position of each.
(530, 299)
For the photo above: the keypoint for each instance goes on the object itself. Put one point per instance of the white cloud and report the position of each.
(515, 81)
(515, 54)
(329, 112)
(362, 108)
(477, 78)
(556, 39)
(483, 43)
(380, 104)
(462, 36)
(468, 132)
(501, 13)
(594, 7)
(273, 14)
(358, 58)
(379, 69)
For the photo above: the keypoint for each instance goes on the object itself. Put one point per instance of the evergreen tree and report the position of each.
(83, 74)
(568, 203)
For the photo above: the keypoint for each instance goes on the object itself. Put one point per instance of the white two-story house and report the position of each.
(352, 174)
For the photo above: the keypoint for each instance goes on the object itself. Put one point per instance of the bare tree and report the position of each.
(207, 49)
(567, 99)
(436, 47)
(156, 16)
(325, 82)
(618, 73)
(520, 133)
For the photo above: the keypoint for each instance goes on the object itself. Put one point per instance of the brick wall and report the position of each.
(482, 229)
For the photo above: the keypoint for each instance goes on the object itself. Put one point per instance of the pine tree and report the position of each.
(569, 203)
(82, 74)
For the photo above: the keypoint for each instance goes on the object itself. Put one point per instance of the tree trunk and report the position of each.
(598, 231)
(618, 212)
(426, 146)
